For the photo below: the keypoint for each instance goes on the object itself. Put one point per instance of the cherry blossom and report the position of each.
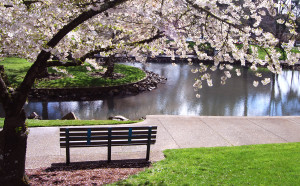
(27, 28)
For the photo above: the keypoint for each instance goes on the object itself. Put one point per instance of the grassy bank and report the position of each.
(271, 164)
(81, 77)
(51, 123)
(78, 76)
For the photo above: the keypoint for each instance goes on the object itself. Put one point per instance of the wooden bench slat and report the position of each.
(94, 130)
(80, 146)
(106, 128)
(84, 138)
(105, 143)
(105, 133)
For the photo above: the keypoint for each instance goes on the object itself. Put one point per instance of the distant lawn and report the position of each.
(51, 123)
(16, 69)
(271, 164)
(262, 53)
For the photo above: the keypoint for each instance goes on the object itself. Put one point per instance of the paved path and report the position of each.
(173, 132)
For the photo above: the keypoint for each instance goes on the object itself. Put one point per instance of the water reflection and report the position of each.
(177, 97)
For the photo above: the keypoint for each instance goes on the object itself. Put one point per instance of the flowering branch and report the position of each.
(20, 94)
(149, 40)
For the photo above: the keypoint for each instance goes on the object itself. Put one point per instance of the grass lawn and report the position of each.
(262, 53)
(16, 69)
(50, 123)
(271, 164)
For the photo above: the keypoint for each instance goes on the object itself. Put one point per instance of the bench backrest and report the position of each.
(107, 136)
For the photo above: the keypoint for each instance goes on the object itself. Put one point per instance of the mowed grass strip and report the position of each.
(271, 164)
(52, 123)
(78, 76)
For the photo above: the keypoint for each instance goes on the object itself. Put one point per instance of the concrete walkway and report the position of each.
(173, 132)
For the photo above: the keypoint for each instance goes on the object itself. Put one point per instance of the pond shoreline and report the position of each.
(149, 83)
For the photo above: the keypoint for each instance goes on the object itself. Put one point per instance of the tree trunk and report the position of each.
(13, 144)
(44, 72)
(110, 65)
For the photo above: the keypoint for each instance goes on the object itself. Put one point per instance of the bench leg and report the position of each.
(148, 152)
(67, 147)
(109, 145)
(148, 144)
(68, 156)
(109, 153)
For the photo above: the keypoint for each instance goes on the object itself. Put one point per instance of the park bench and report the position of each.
(107, 137)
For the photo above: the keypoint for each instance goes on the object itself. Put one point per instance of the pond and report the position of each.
(177, 97)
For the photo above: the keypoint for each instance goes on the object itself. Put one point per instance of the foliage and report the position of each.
(271, 164)
(52, 123)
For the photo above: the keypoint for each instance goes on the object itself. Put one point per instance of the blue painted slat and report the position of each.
(129, 135)
(89, 133)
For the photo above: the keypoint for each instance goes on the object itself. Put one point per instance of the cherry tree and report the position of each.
(39, 30)
(34, 30)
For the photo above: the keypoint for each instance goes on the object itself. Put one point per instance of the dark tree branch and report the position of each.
(59, 63)
(89, 3)
(149, 40)
(92, 53)
(80, 19)
(29, 2)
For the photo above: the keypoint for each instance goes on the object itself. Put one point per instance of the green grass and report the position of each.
(16, 69)
(82, 78)
(295, 50)
(271, 164)
(262, 53)
(51, 123)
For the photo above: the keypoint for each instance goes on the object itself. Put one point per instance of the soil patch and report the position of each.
(92, 173)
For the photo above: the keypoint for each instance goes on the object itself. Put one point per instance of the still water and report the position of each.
(177, 97)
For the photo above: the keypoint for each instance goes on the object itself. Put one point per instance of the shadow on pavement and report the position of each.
(132, 163)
